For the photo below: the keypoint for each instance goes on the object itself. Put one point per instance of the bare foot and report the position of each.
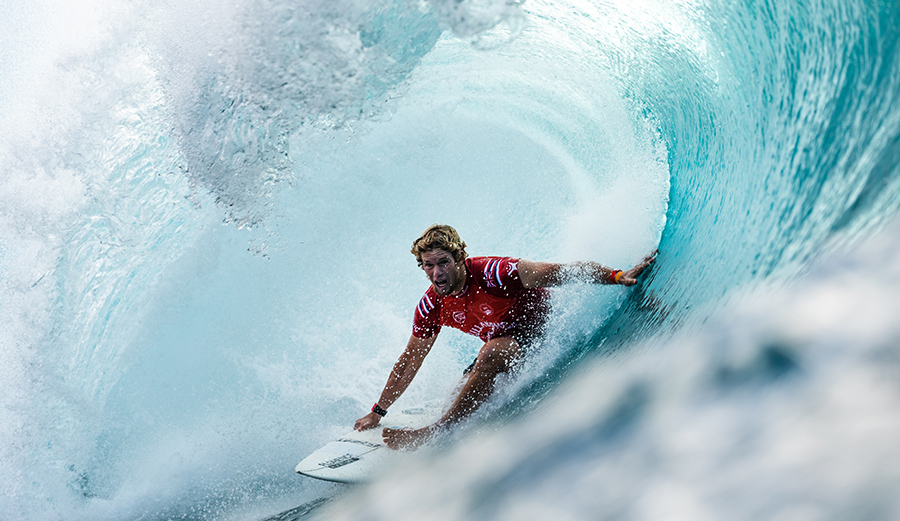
(407, 439)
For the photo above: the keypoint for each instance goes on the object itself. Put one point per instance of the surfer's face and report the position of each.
(446, 275)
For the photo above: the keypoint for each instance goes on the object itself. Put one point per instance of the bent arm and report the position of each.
(547, 274)
(401, 376)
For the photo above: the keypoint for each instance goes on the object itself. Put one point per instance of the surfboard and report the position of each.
(357, 457)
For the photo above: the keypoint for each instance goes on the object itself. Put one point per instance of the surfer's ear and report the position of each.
(459, 253)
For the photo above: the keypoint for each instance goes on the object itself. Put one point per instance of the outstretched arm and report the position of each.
(403, 373)
(546, 274)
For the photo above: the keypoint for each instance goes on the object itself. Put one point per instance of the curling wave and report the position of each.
(205, 210)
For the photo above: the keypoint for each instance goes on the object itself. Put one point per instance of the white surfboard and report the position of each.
(356, 457)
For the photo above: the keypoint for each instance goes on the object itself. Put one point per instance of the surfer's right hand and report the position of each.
(367, 422)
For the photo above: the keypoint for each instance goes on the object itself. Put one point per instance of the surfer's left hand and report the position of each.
(629, 278)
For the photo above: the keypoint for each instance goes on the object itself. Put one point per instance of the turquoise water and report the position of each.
(205, 214)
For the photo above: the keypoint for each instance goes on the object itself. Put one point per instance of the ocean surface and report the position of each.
(206, 213)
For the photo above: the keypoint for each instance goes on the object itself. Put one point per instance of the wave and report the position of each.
(205, 213)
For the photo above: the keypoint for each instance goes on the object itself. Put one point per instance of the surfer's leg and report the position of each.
(497, 356)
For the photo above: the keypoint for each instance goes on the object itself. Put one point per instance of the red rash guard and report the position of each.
(493, 304)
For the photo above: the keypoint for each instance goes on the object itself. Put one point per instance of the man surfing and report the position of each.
(501, 300)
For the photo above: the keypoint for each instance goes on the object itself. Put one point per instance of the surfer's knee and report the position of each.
(498, 355)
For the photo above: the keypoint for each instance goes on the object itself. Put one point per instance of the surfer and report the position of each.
(501, 300)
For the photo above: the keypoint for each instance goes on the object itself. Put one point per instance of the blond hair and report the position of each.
(439, 237)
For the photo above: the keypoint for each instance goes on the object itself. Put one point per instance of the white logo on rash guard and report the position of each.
(459, 317)
(490, 327)
(487, 310)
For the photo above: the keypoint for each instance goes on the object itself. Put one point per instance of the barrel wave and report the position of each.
(205, 214)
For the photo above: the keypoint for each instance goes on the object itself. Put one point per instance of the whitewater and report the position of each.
(206, 212)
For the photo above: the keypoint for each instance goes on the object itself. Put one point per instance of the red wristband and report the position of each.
(614, 276)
